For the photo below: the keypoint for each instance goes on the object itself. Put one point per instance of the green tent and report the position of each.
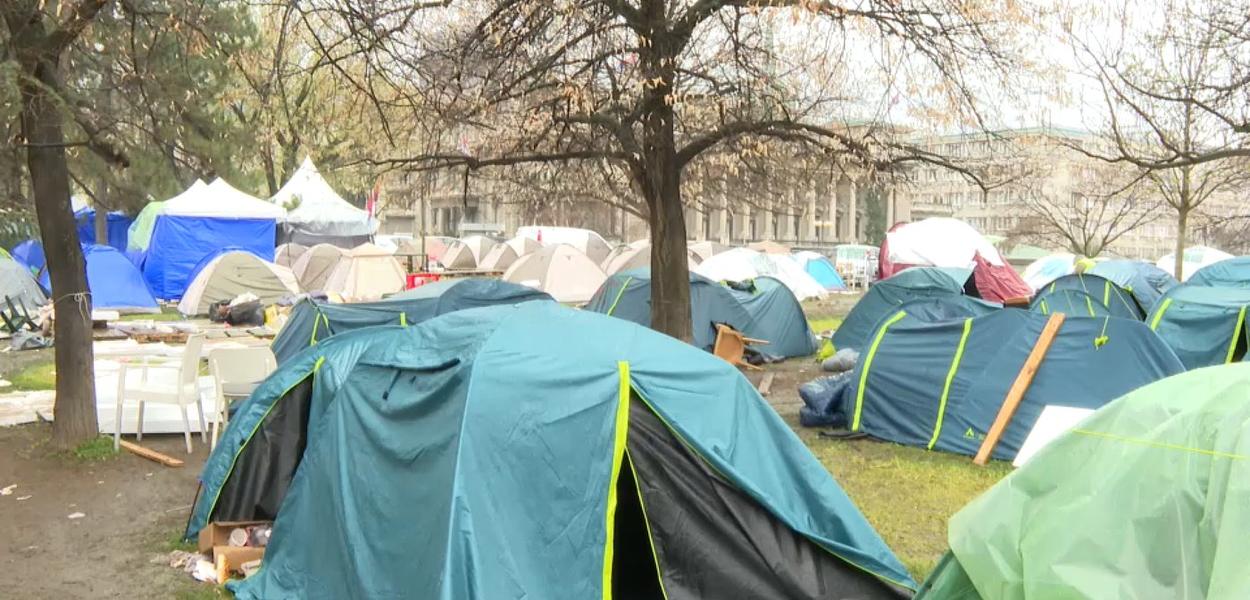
(885, 296)
(532, 451)
(1072, 302)
(1143, 499)
(1205, 326)
(1145, 281)
(1116, 301)
(139, 235)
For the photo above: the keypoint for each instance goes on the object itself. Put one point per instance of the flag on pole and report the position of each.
(371, 202)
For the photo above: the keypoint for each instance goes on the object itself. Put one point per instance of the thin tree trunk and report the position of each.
(1182, 226)
(74, 411)
(101, 215)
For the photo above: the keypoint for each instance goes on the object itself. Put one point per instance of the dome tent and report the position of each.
(639, 257)
(314, 266)
(706, 249)
(742, 264)
(235, 272)
(30, 254)
(316, 214)
(200, 222)
(623, 437)
(1049, 268)
(821, 269)
(1071, 302)
(466, 253)
(1195, 258)
(312, 321)
(584, 240)
(16, 284)
(1230, 273)
(503, 255)
(1118, 301)
(885, 296)
(560, 270)
(1145, 281)
(114, 282)
(366, 272)
(1143, 500)
(288, 253)
(951, 243)
(1205, 326)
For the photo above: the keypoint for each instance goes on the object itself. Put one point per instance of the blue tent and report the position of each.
(30, 254)
(1204, 325)
(885, 296)
(823, 272)
(312, 321)
(767, 311)
(1145, 281)
(1117, 301)
(1069, 301)
(940, 385)
(118, 227)
(532, 451)
(114, 281)
(1231, 272)
(180, 243)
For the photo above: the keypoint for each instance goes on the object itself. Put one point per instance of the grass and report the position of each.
(95, 450)
(823, 324)
(40, 376)
(168, 313)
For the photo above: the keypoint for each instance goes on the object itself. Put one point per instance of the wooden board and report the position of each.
(1021, 385)
(150, 454)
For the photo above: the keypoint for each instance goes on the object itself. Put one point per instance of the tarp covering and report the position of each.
(885, 296)
(180, 243)
(30, 254)
(768, 313)
(940, 385)
(1230, 272)
(233, 273)
(742, 264)
(440, 457)
(1204, 325)
(17, 284)
(821, 270)
(1146, 498)
(1118, 301)
(1146, 282)
(115, 283)
(314, 210)
(311, 321)
(118, 227)
(1048, 268)
(947, 242)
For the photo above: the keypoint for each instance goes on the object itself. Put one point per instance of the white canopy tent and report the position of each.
(220, 200)
(314, 209)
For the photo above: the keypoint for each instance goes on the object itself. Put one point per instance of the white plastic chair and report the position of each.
(182, 392)
(236, 373)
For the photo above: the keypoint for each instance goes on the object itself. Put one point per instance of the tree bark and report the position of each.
(1182, 225)
(74, 410)
(101, 215)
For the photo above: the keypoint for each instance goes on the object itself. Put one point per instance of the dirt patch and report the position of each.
(15, 361)
(132, 508)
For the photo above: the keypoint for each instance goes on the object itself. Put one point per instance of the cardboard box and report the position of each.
(214, 541)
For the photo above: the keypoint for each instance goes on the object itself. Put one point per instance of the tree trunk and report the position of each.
(1182, 226)
(101, 215)
(74, 411)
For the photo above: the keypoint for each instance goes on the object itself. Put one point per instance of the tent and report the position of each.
(1146, 282)
(366, 272)
(313, 321)
(1204, 325)
(742, 264)
(504, 254)
(314, 266)
(1230, 272)
(767, 312)
(940, 385)
(823, 271)
(1070, 301)
(30, 254)
(705, 249)
(1118, 301)
(288, 253)
(235, 272)
(588, 242)
(1049, 268)
(139, 234)
(117, 226)
(316, 214)
(1143, 500)
(17, 284)
(447, 460)
(560, 270)
(885, 296)
(1196, 257)
(769, 247)
(946, 242)
(468, 252)
(640, 258)
(199, 223)
(115, 282)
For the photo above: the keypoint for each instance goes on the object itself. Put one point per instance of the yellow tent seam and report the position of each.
(618, 456)
(863, 376)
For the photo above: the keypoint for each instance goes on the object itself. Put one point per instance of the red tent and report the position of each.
(953, 243)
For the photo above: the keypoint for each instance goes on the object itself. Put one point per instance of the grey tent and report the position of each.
(18, 286)
(561, 270)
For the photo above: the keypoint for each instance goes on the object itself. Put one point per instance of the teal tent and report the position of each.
(1145, 281)
(764, 309)
(885, 296)
(1068, 301)
(823, 271)
(312, 321)
(1117, 301)
(532, 451)
(1144, 499)
(1205, 326)
(940, 385)
(1230, 273)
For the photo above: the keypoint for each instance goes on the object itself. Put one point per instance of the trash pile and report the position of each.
(225, 549)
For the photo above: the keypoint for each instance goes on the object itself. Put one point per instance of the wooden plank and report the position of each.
(1014, 395)
(150, 454)
(766, 384)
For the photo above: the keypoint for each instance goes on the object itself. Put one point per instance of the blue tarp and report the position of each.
(1230, 273)
(115, 283)
(118, 228)
(1205, 326)
(824, 273)
(179, 244)
(940, 385)
(30, 254)
(476, 456)
(885, 296)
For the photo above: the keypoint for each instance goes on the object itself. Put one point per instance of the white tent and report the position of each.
(741, 264)
(940, 242)
(1196, 257)
(1049, 268)
(313, 207)
(588, 242)
(467, 253)
(366, 272)
(560, 270)
(639, 257)
(220, 200)
(706, 249)
(503, 255)
(232, 274)
(314, 266)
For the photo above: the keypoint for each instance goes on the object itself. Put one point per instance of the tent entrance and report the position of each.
(634, 567)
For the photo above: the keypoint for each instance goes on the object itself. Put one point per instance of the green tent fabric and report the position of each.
(1230, 273)
(1068, 301)
(767, 311)
(139, 235)
(885, 296)
(312, 321)
(1118, 301)
(1145, 281)
(1147, 498)
(503, 452)
(1205, 326)
(939, 385)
